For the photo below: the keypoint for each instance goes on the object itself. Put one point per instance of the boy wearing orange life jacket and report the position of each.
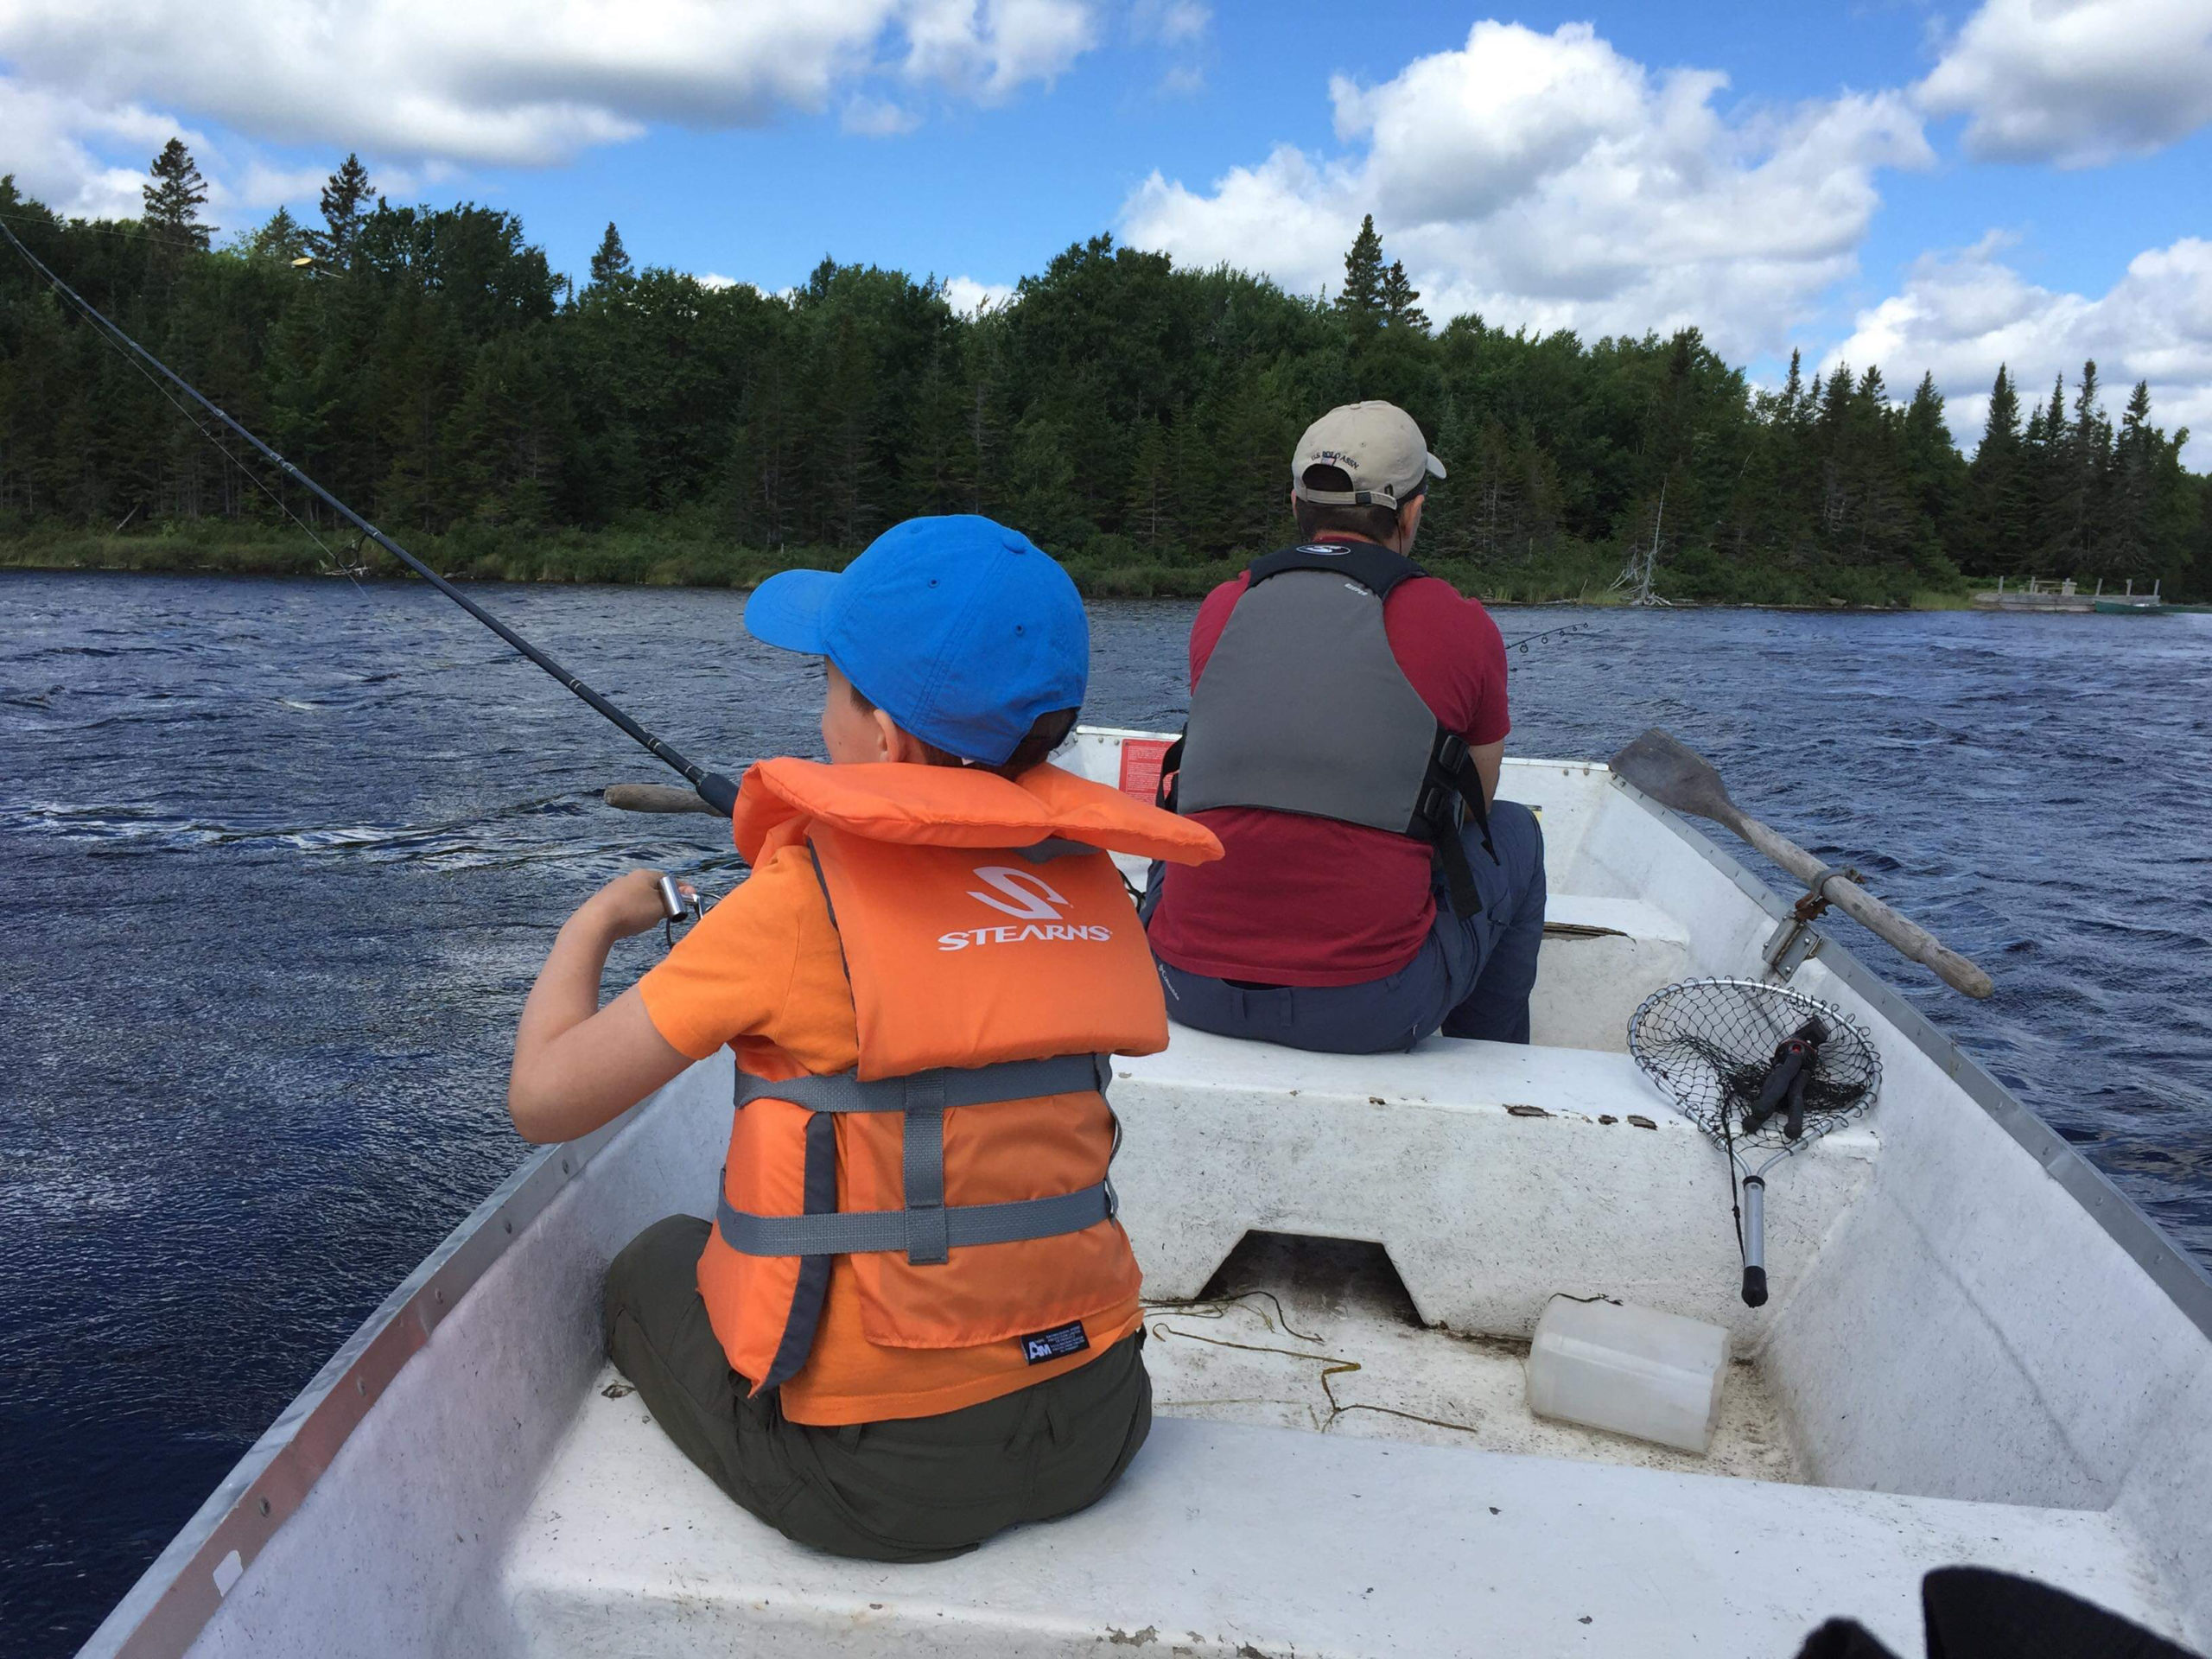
(913, 1320)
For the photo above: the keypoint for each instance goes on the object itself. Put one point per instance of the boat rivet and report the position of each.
(362, 1386)
(509, 1225)
(564, 1166)
(265, 1506)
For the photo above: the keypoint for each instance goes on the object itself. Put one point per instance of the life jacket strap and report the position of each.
(941, 1086)
(1453, 784)
(926, 1229)
(852, 1233)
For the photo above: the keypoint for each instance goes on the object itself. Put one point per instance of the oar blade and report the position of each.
(652, 797)
(1674, 775)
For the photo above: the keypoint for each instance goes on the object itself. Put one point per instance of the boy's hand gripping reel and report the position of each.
(677, 904)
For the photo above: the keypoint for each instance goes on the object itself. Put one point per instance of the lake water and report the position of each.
(280, 859)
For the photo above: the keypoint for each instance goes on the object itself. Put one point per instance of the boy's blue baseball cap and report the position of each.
(961, 630)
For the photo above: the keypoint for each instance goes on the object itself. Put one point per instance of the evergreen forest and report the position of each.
(430, 367)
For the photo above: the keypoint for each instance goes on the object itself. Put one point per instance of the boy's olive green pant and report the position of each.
(917, 1489)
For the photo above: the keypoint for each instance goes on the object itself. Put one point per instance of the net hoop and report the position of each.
(1702, 1040)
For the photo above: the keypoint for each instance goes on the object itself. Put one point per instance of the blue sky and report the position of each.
(2021, 181)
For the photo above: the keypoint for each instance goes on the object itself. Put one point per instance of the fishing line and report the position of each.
(718, 791)
(333, 567)
(183, 241)
(351, 572)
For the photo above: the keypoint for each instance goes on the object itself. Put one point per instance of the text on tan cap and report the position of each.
(1377, 445)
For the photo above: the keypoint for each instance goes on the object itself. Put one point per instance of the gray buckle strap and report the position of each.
(926, 1229)
(923, 1169)
(855, 1232)
(944, 1086)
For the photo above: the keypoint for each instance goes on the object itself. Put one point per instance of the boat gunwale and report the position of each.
(168, 1605)
(2186, 1283)
(166, 1609)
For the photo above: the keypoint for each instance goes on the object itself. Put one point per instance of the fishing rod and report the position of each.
(1526, 639)
(718, 791)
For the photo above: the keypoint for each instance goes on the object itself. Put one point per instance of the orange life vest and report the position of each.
(995, 961)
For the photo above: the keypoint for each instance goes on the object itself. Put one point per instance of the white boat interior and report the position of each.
(1976, 1351)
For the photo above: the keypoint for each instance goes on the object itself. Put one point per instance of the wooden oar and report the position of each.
(654, 798)
(1679, 777)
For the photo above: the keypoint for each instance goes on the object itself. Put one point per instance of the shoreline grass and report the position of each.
(682, 555)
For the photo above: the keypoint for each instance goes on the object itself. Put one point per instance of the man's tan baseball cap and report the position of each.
(1377, 444)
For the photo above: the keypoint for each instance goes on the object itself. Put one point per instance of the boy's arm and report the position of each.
(578, 1065)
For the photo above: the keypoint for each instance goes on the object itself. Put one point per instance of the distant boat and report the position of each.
(2153, 606)
(1976, 1351)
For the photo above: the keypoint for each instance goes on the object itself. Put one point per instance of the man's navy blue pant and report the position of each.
(1471, 978)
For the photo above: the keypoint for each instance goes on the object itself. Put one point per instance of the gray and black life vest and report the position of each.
(1304, 708)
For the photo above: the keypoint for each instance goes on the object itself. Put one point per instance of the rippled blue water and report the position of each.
(279, 858)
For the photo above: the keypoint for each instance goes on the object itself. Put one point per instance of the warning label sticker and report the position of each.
(1141, 758)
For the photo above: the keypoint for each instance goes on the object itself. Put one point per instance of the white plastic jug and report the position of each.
(1634, 1370)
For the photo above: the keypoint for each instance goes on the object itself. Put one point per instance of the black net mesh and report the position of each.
(1713, 1044)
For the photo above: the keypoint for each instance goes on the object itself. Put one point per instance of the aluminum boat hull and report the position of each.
(1978, 1349)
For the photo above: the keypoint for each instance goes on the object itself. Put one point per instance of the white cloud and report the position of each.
(714, 279)
(1961, 315)
(1180, 28)
(48, 155)
(877, 117)
(1548, 180)
(1170, 22)
(968, 297)
(64, 151)
(989, 49)
(506, 82)
(2076, 82)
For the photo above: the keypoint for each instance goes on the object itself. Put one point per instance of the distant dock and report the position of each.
(2043, 593)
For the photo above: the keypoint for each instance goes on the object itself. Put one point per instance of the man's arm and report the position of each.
(1450, 651)
(1490, 760)
(578, 1065)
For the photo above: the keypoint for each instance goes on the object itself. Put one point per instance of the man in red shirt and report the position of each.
(1348, 721)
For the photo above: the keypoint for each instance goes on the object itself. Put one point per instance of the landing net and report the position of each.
(1713, 1044)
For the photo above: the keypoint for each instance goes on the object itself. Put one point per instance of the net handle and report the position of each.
(1754, 1241)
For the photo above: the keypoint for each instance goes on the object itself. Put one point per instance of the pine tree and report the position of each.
(1793, 389)
(2046, 446)
(1831, 430)
(1399, 294)
(1995, 540)
(1934, 473)
(1361, 301)
(282, 240)
(610, 266)
(2056, 433)
(174, 196)
(2128, 506)
(2070, 475)
(1149, 514)
(346, 206)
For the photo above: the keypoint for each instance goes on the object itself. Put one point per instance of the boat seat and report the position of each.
(1211, 1546)
(1600, 959)
(1495, 1175)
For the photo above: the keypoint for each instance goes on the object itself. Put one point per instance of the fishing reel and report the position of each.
(676, 907)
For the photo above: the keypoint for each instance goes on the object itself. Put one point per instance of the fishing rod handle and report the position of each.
(717, 792)
(1754, 1241)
